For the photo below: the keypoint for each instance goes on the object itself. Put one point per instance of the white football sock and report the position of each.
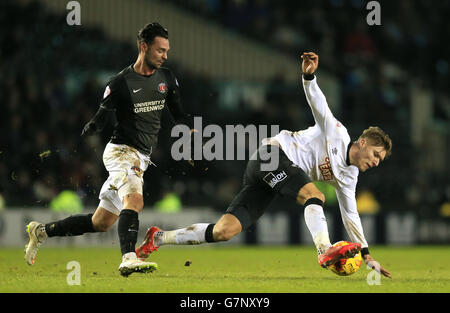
(317, 225)
(191, 235)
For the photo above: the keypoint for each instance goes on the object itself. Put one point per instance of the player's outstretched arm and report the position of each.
(314, 96)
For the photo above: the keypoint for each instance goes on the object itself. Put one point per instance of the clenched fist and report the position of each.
(310, 62)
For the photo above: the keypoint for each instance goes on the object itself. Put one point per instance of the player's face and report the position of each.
(369, 156)
(156, 53)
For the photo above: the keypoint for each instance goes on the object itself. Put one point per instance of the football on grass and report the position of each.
(347, 266)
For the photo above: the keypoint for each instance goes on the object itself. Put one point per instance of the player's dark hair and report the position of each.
(150, 31)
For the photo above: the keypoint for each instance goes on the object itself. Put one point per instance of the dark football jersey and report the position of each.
(138, 102)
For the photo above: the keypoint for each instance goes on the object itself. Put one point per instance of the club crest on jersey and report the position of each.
(107, 92)
(162, 88)
(274, 178)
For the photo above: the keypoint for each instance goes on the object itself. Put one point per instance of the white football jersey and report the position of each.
(321, 152)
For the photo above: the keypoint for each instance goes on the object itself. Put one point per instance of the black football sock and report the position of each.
(209, 233)
(128, 228)
(74, 225)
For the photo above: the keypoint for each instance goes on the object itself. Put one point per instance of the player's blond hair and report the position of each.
(377, 137)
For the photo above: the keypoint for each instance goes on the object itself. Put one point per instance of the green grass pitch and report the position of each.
(224, 269)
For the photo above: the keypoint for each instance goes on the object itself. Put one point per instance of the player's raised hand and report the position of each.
(310, 62)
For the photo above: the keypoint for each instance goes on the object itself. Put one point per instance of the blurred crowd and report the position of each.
(51, 81)
(411, 33)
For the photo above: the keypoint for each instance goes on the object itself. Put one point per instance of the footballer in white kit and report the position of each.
(323, 152)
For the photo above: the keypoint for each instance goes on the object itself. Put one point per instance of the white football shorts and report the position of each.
(126, 167)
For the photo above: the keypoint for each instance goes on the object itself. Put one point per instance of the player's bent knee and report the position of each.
(309, 191)
(101, 227)
(131, 193)
(221, 233)
(304, 200)
(103, 219)
(226, 228)
(318, 195)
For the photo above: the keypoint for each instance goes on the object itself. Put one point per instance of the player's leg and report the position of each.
(191, 235)
(74, 225)
(128, 228)
(121, 194)
(79, 224)
(122, 191)
(313, 200)
(224, 229)
(245, 209)
(248, 205)
(128, 225)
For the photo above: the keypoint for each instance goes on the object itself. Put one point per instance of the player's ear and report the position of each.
(362, 142)
(143, 47)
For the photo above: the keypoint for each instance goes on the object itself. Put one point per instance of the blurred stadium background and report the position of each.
(237, 62)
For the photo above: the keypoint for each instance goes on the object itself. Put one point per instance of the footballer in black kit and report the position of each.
(138, 101)
(134, 100)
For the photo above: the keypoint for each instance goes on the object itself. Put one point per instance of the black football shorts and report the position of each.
(261, 185)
